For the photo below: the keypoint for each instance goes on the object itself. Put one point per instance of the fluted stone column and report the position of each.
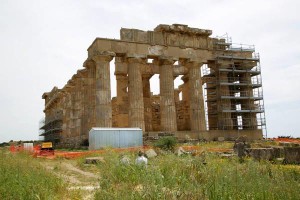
(147, 101)
(135, 92)
(186, 100)
(64, 125)
(69, 89)
(249, 118)
(197, 113)
(121, 119)
(84, 93)
(82, 122)
(90, 97)
(103, 93)
(77, 108)
(224, 118)
(167, 99)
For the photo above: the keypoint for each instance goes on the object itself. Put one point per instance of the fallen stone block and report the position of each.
(125, 160)
(150, 153)
(292, 155)
(278, 152)
(94, 160)
(226, 155)
(180, 151)
(261, 153)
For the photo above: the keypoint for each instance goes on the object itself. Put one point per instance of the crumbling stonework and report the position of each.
(86, 102)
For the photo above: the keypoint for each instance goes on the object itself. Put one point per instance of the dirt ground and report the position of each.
(82, 179)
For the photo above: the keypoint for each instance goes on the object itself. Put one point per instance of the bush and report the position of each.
(166, 143)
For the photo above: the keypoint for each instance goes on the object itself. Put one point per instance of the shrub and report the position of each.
(166, 143)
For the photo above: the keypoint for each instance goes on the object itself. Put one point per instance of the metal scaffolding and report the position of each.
(52, 127)
(233, 88)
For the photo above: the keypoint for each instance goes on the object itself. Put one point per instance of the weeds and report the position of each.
(22, 177)
(167, 143)
(173, 177)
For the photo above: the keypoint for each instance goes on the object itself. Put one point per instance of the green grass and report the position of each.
(173, 177)
(22, 177)
(166, 177)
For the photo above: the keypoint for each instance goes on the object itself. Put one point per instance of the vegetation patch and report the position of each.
(167, 143)
(172, 177)
(22, 177)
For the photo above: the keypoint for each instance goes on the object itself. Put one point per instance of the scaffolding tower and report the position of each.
(233, 88)
(51, 127)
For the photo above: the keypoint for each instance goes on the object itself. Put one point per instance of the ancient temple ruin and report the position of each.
(221, 94)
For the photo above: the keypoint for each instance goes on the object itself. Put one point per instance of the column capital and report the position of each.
(81, 72)
(166, 60)
(136, 58)
(147, 76)
(191, 63)
(88, 63)
(185, 78)
(101, 56)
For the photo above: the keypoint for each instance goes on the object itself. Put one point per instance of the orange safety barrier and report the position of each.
(14, 148)
(292, 140)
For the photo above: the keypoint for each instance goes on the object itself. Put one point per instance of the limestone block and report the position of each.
(125, 160)
(180, 151)
(292, 155)
(151, 153)
(261, 153)
(278, 152)
(94, 160)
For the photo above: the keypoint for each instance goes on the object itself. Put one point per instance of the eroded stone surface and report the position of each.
(86, 102)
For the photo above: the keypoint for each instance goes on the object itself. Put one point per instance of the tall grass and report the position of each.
(173, 177)
(22, 177)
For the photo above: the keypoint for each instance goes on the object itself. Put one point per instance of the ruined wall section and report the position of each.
(170, 35)
(70, 111)
(53, 115)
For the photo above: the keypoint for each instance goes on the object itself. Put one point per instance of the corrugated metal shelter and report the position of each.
(28, 146)
(115, 137)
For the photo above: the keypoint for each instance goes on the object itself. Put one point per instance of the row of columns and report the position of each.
(139, 92)
(228, 120)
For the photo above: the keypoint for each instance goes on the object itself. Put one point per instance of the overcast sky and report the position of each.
(43, 43)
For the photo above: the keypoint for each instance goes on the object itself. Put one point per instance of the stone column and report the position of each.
(197, 113)
(121, 118)
(122, 84)
(69, 122)
(135, 92)
(167, 99)
(186, 102)
(90, 97)
(77, 109)
(82, 119)
(249, 118)
(224, 118)
(103, 92)
(147, 101)
(64, 118)
(84, 112)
